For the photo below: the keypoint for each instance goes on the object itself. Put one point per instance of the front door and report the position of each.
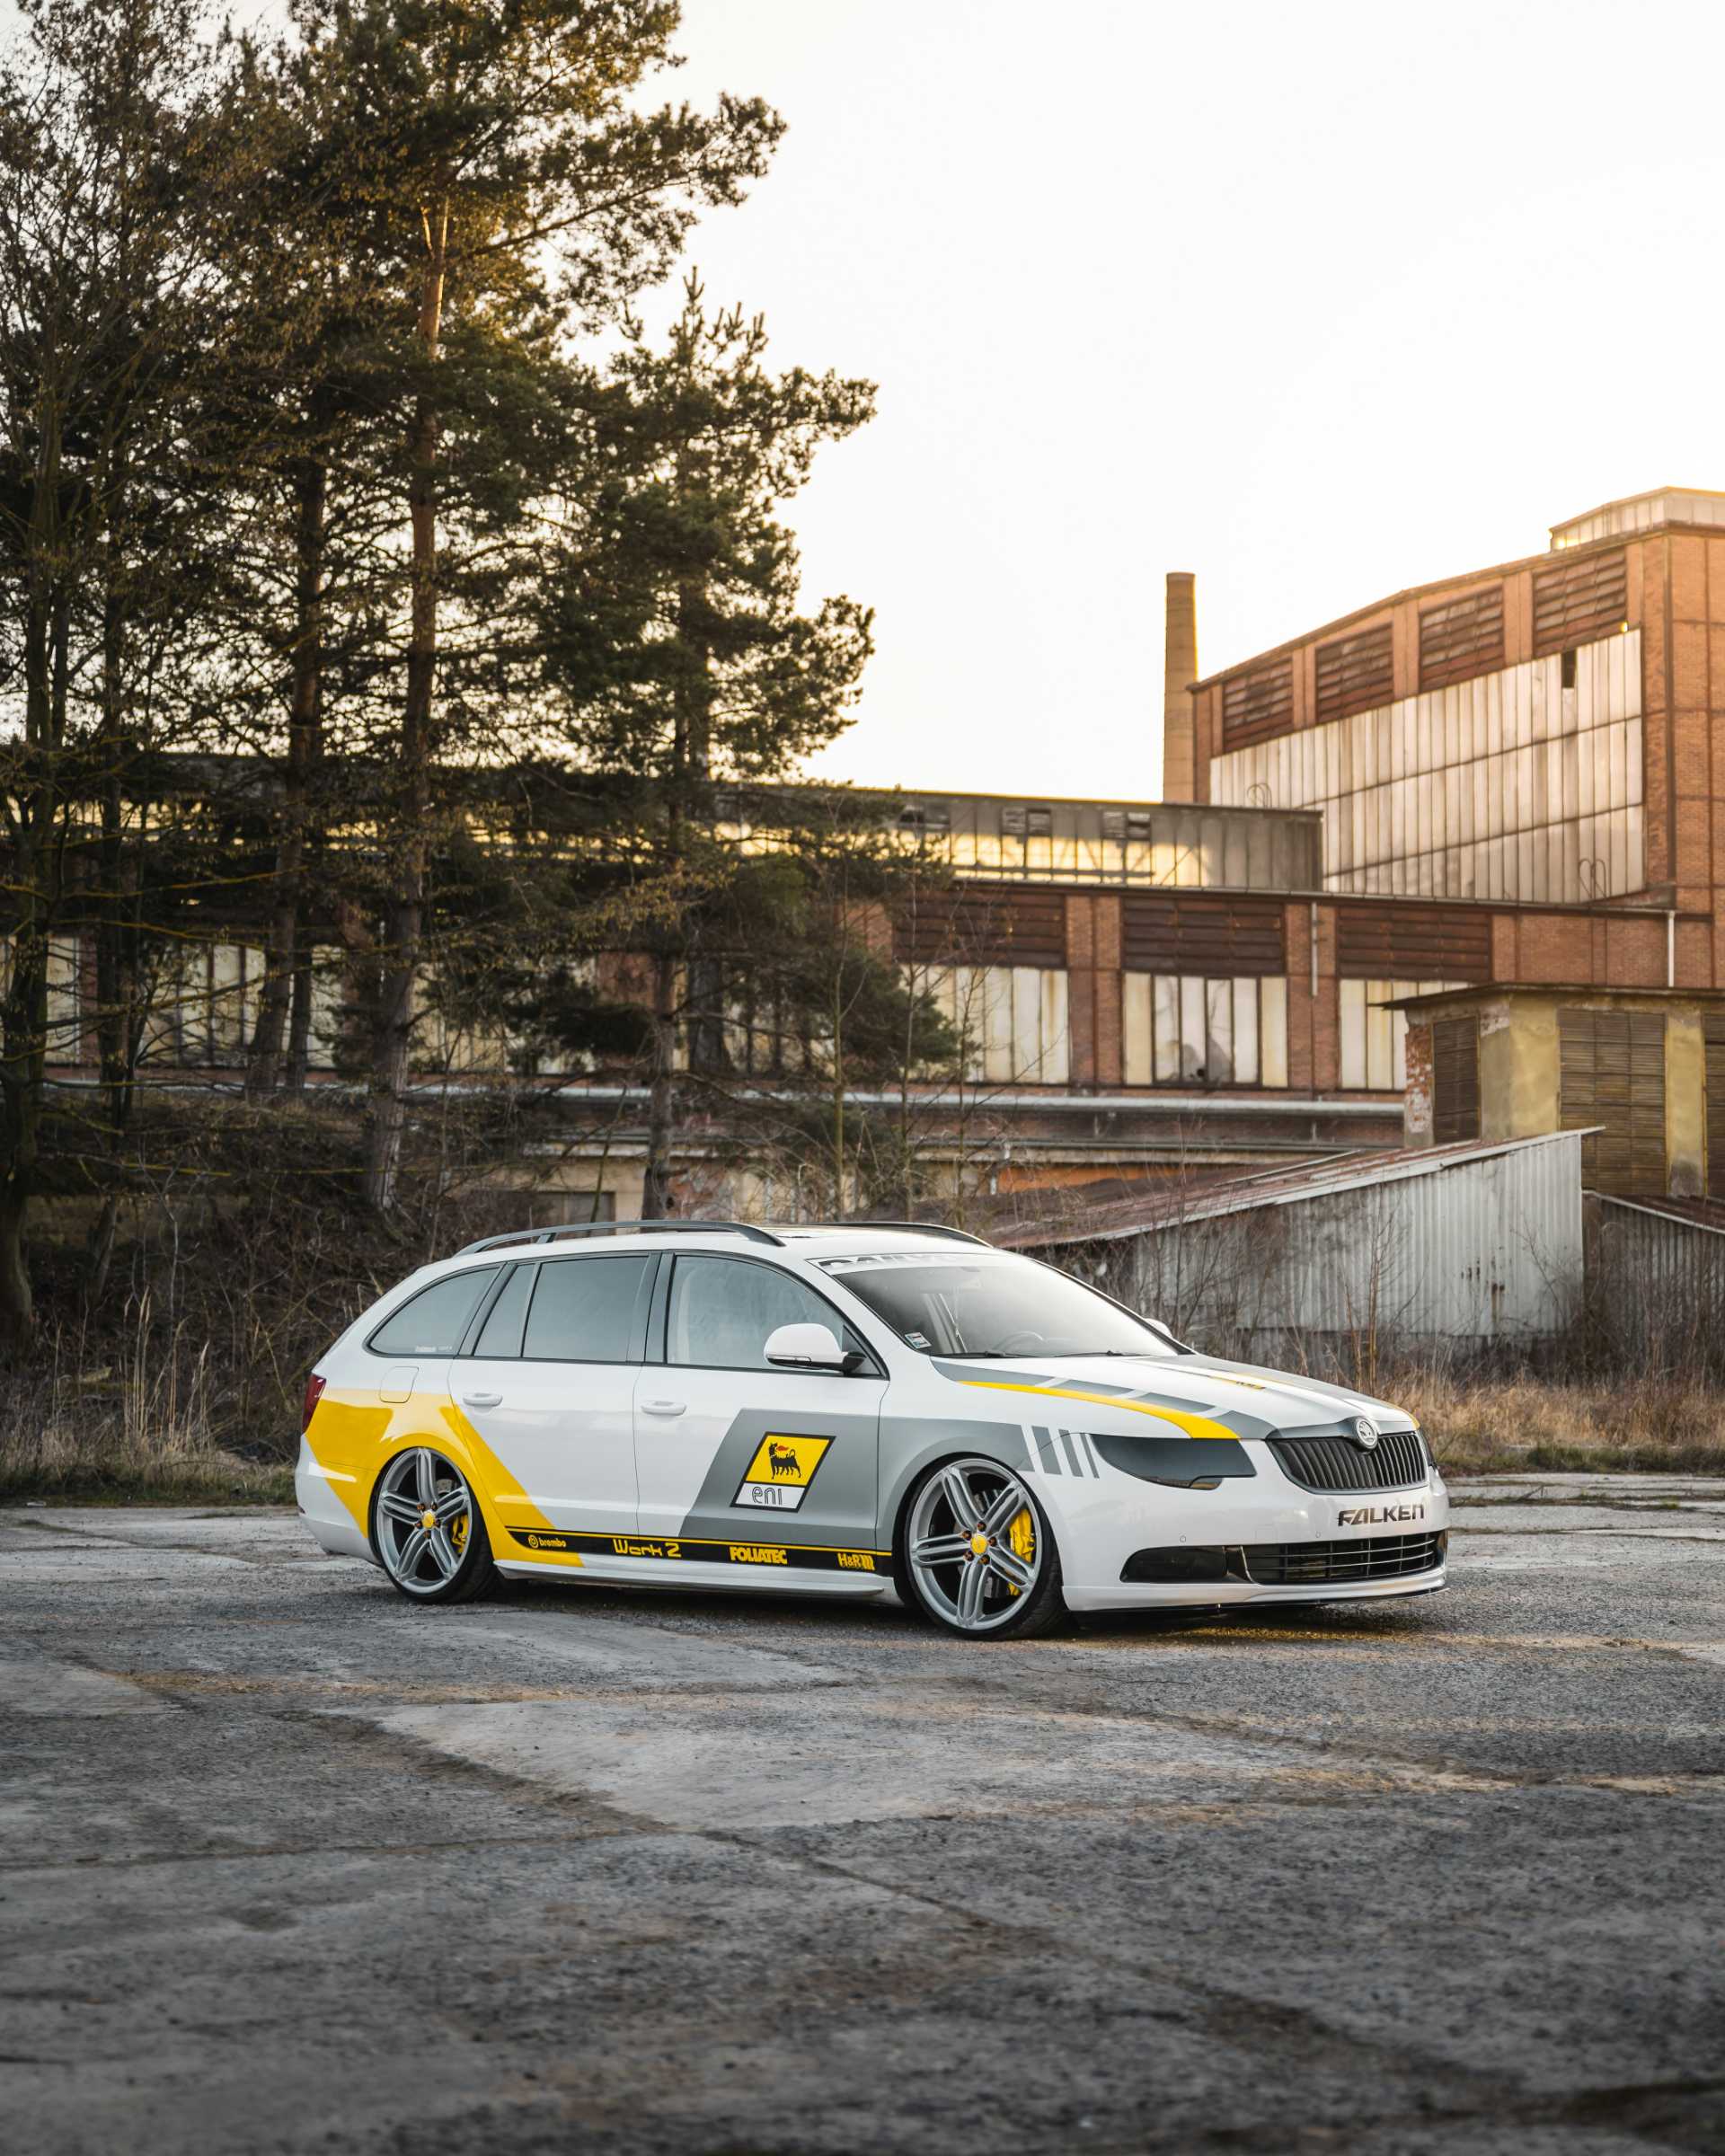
(732, 1452)
(549, 1385)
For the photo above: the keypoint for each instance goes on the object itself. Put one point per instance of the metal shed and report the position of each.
(1657, 1270)
(1470, 1243)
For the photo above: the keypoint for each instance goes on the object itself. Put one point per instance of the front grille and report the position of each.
(1339, 1564)
(1397, 1462)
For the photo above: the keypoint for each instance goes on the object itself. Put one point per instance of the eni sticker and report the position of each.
(778, 1477)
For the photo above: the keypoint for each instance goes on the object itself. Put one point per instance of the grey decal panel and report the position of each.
(828, 1497)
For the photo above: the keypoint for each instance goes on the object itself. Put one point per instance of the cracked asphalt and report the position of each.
(289, 1865)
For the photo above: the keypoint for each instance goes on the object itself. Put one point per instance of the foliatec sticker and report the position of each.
(779, 1475)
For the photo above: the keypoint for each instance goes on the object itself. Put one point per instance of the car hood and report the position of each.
(1244, 1399)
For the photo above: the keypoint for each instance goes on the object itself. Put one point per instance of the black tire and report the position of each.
(1041, 1607)
(442, 1485)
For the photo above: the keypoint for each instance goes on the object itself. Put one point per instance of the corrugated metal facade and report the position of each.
(1658, 1275)
(1471, 1244)
(1517, 784)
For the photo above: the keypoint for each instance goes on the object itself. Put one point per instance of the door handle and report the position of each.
(483, 1400)
(664, 1407)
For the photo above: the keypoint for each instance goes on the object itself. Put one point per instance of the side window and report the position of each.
(583, 1309)
(505, 1321)
(722, 1310)
(433, 1321)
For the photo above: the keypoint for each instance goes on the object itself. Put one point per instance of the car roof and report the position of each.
(831, 1238)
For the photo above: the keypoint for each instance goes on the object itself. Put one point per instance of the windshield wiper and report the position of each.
(1034, 1355)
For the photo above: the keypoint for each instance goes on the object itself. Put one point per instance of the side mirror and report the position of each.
(806, 1347)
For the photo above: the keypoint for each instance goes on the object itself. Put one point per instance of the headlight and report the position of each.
(1176, 1463)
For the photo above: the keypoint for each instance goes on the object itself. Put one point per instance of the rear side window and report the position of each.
(500, 1334)
(433, 1321)
(583, 1310)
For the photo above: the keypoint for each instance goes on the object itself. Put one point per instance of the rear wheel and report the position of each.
(975, 1554)
(428, 1530)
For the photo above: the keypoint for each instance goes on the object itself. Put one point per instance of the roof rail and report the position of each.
(922, 1227)
(613, 1228)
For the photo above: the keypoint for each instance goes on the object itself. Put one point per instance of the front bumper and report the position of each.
(1103, 1523)
(1229, 1595)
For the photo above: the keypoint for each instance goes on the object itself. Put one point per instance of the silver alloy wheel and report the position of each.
(966, 1544)
(425, 1520)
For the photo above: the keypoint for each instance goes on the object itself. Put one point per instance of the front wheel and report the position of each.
(428, 1530)
(974, 1552)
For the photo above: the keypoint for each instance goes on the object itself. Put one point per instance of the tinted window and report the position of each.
(500, 1334)
(583, 1310)
(433, 1321)
(722, 1310)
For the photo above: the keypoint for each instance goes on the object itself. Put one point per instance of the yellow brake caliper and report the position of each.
(458, 1530)
(1022, 1537)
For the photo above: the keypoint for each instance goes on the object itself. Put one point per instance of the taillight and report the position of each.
(314, 1385)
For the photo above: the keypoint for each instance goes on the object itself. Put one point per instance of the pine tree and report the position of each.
(117, 139)
(512, 187)
(676, 642)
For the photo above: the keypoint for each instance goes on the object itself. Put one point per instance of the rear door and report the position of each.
(548, 1383)
(414, 1343)
(732, 1452)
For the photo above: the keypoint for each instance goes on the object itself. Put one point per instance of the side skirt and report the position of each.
(686, 1573)
(798, 1568)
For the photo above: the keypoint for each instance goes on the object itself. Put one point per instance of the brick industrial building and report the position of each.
(1529, 759)
(1502, 780)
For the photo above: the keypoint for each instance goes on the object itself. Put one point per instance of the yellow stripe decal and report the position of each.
(1194, 1425)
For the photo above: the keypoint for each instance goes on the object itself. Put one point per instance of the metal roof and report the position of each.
(1529, 991)
(1276, 1186)
(1705, 1213)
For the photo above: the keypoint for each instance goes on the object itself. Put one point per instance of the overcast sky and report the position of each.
(1317, 302)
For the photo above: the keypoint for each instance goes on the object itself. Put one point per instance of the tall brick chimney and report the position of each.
(1180, 671)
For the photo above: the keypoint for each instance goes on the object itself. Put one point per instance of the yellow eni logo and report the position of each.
(777, 1478)
(757, 1553)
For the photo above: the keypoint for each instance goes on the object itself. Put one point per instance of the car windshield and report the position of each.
(991, 1306)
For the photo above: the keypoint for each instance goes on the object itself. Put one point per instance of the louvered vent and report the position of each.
(1580, 599)
(1714, 1033)
(984, 928)
(1257, 706)
(1462, 638)
(1455, 1080)
(1355, 674)
(1384, 941)
(1170, 933)
(1611, 1071)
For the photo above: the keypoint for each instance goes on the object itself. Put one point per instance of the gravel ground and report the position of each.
(289, 1865)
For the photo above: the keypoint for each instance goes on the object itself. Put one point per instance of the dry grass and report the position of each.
(143, 1434)
(1652, 1425)
(93, 1470)
(141, 1426)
